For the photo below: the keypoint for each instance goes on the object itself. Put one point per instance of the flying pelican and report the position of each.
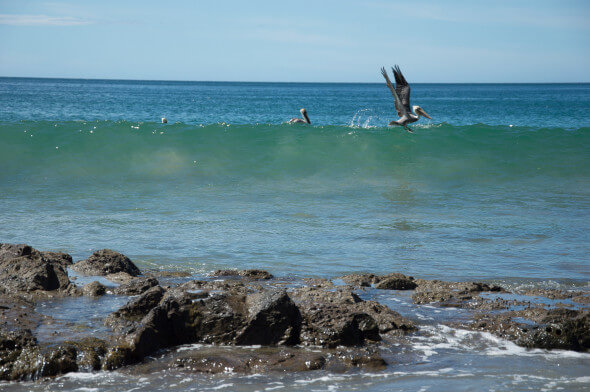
(401, 95)
(304, 120)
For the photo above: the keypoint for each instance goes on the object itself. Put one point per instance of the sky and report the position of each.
(448, 41)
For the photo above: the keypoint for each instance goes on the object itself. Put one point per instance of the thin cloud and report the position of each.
(42, 20)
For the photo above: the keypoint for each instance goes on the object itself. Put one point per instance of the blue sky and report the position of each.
(302, 41)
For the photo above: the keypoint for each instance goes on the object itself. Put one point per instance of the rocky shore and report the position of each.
(285, 325)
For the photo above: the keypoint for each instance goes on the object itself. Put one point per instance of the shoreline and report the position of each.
(294, 325)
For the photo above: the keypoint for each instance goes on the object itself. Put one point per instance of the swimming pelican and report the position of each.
(304, 120)
(401, 95)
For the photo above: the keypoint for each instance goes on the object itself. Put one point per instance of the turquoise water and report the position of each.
(496, 186)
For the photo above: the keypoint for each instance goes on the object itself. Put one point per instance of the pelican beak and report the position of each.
(422, 112)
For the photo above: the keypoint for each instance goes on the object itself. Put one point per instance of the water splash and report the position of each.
(362, 119)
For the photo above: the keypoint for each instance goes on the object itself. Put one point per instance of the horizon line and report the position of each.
(250, 81)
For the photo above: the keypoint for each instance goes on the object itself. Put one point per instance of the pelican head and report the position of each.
(420, 112)
(305, 116)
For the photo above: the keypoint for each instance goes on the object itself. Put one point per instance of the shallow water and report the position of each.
(496, 187)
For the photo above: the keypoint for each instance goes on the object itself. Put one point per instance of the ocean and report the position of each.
(496, 187)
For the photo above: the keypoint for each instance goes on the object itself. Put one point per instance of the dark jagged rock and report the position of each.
(59, 360)
(94, 289)
(213, 286)
(276, 359)
(138, 307)
(174, 320)
(254, 274)
(118, 356)
(273, 319)
(135, 286)
(453, 293)
(368, 359)
(105, 262)
(396, 281)
(388, 321)
(539, 327)
(21, 358)
(393, 281)
(63, 259)
(319, 282)
(90, 353)
(341, 318)
(360, 280)
(24, 269)
(217, 319)
(12, 251)
(168, 274)
(12, 344)
(576, 296)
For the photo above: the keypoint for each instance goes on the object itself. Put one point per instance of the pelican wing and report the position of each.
(402, 88)
(399, 107)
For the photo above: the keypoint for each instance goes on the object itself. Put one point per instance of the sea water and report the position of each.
(495, 187)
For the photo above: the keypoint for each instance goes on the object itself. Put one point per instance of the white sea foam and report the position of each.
(321, 379)
(189, 347)
(443, 337)
(87, 375)
(222, 386)
(274, 388)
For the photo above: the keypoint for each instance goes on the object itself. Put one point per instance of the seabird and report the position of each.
(304, 120)
(401, 95)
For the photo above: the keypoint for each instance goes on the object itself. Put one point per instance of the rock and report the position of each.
(225, 272)
(12, 251)
(169, 274)
(217, 319)
(340, 318)
(576, 296)
(215, 360)
(256, 274)
(273, 319)
(451, 293)
(118, 356)
(396, 282)
(63, 259)
(25, 269)
(22, 359)
(253, 274)
(59, 360)
(360, 280)
(388, 321)
(90, 353)
(12, 345)
(105, 262)
(319, 282)
(162, 327)
(367, 359)
(120, 278)
(539, 327)
(139, 307)
(135, 286)
(94, 289)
